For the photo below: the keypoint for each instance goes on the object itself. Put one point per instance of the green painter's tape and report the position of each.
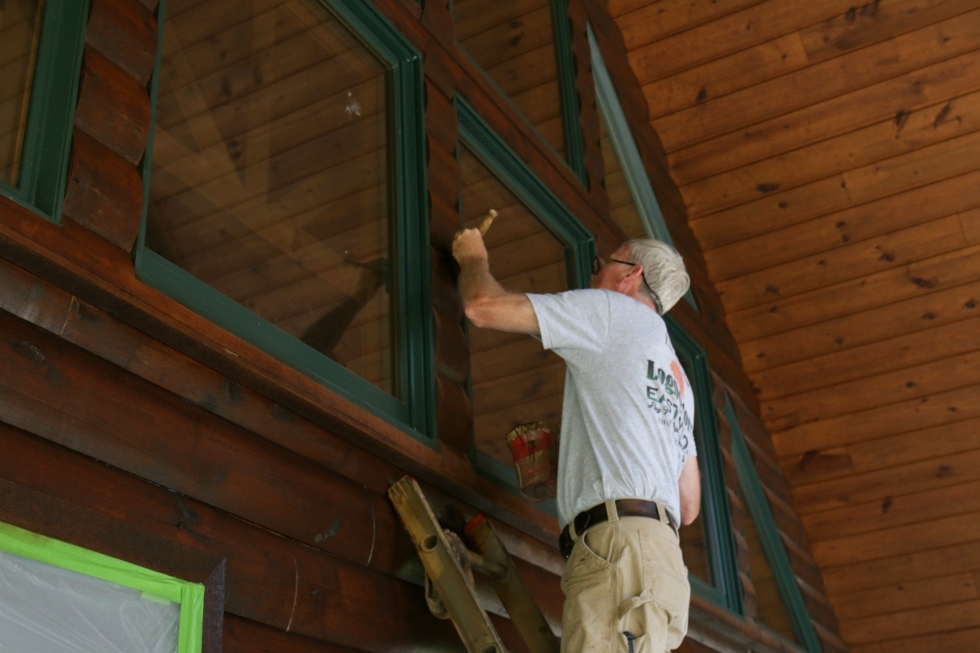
(189, 595)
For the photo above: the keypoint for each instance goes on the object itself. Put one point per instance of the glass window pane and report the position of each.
(269, 173)
(46, 609)
(694, 544)
(20, 28)
(514, 43)
(694, 537)
(622, 208)
(633, 205)
(771, 611)
(514, 380)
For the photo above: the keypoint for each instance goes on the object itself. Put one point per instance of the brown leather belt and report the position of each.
(598, 514)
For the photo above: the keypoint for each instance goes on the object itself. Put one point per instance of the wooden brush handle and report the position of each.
(487, 221)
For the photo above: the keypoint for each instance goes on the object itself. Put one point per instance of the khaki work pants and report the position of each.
(626, 589)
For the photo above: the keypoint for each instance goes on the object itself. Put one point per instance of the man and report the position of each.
(627, 470)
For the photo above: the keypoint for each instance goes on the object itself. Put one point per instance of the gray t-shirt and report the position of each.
(628, 413)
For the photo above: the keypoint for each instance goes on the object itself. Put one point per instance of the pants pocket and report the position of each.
(655, 612)
(589, 556)
(656, 620)
(589, 584)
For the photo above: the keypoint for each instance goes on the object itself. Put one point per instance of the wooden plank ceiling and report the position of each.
(829, 157)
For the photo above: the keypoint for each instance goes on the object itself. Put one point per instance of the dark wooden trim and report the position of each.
(77, 323)
(269, 579)
(83, 264)
(105, 192)
(445, 298)
(125, 32)
(588, 111)
(452, 348)
(112, 107)
(246, 636)
(28, 462)
(133, 425)
(455, 415)
(442, 169)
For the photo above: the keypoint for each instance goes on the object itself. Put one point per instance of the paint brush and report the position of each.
(487, 221)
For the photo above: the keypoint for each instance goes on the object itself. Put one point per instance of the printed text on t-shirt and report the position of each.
(663, 393)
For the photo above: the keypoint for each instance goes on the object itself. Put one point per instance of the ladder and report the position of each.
(445, 572)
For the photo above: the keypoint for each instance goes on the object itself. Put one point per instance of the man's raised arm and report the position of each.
(486, 302)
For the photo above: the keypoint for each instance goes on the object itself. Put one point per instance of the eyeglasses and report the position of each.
(598, 264)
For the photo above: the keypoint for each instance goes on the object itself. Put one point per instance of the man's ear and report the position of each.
(631, 278)
(636, 272)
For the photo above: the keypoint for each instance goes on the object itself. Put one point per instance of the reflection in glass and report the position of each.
(633, 205)
(20, 27)
(622, 208)
(694, 537)
(694, 544)
(514, 43)
(269, 173)
(771, 610)
(514, 380)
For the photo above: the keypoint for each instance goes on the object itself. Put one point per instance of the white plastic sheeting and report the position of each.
(46, 609)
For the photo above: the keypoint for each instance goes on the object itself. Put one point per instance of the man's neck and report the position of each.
(640, 297)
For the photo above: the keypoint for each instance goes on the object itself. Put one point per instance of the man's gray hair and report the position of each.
(663, 271)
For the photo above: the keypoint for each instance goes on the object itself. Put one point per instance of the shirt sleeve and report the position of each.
(572, 320)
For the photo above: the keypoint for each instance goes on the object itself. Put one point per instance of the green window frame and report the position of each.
(772, 545)
(625, 147)
(414, 413)
(572, 136)
(579, 244)
(73, 558)
(47, 139)
(725, 589)
(574, 139)
(628, 153)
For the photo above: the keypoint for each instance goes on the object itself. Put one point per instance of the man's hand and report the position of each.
(486, 303)
(468, 247)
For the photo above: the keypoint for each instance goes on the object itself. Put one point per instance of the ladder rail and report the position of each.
(521, 606)
(444, 570)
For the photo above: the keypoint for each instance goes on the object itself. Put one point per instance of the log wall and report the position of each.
(134, 427)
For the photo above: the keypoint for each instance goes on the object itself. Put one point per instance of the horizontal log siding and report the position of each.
(150, 434)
